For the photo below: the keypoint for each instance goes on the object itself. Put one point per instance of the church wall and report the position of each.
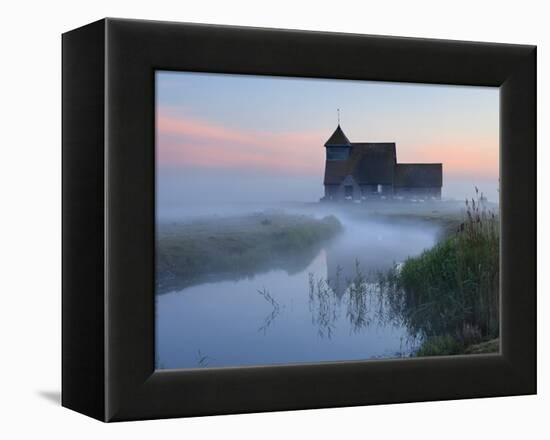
(338, 192)
(331, 191)
(372, 191)
(372, 162)
(356, 195)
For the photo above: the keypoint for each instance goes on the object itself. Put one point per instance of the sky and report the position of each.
(261, 137)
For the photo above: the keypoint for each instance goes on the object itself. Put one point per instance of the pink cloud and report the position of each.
(472, 159)
(183, 141)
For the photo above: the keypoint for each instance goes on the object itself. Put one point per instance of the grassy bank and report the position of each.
(449, 294)
(230, 247)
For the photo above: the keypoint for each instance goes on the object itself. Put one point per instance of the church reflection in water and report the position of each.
(348, 258)
(352, 289)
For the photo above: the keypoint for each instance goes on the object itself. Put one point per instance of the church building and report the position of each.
(363, 170)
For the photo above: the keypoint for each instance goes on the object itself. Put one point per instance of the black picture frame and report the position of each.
(109, 223)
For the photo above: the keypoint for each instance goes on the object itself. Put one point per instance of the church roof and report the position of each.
(375, 164)
(338, 138)
(419, 175)
(369, 163)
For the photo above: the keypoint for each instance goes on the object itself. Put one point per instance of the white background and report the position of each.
(30, 245)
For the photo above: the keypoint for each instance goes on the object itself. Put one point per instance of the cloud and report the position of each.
(469, 160)
(184, 141)
(189, 142)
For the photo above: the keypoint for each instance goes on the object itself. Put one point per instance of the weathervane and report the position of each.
(338, 110)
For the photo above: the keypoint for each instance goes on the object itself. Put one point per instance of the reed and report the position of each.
(451, 291)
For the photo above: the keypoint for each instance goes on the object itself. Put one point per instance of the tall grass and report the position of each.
(451, 290)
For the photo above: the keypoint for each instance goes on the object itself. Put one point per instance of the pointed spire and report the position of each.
(338, 138)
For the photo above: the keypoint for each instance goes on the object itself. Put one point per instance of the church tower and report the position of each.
(338, 146)
(338, 150)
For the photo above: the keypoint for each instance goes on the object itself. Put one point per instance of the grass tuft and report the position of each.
(451, 291)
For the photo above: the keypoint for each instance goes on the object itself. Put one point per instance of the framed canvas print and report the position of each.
(261, 219)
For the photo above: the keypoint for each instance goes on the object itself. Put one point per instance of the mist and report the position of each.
(228, 192)
(237, 250)
(183, 193)
(455, 188)
(252, 305)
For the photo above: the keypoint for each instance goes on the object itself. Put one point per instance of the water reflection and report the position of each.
(323, 305)
(292, 263)
(363, 302)
(269, 319)
(329, 308)
(202, 360)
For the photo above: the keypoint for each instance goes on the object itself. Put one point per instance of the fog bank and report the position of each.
(232, 191)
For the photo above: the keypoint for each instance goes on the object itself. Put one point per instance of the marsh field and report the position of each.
(319, 282)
